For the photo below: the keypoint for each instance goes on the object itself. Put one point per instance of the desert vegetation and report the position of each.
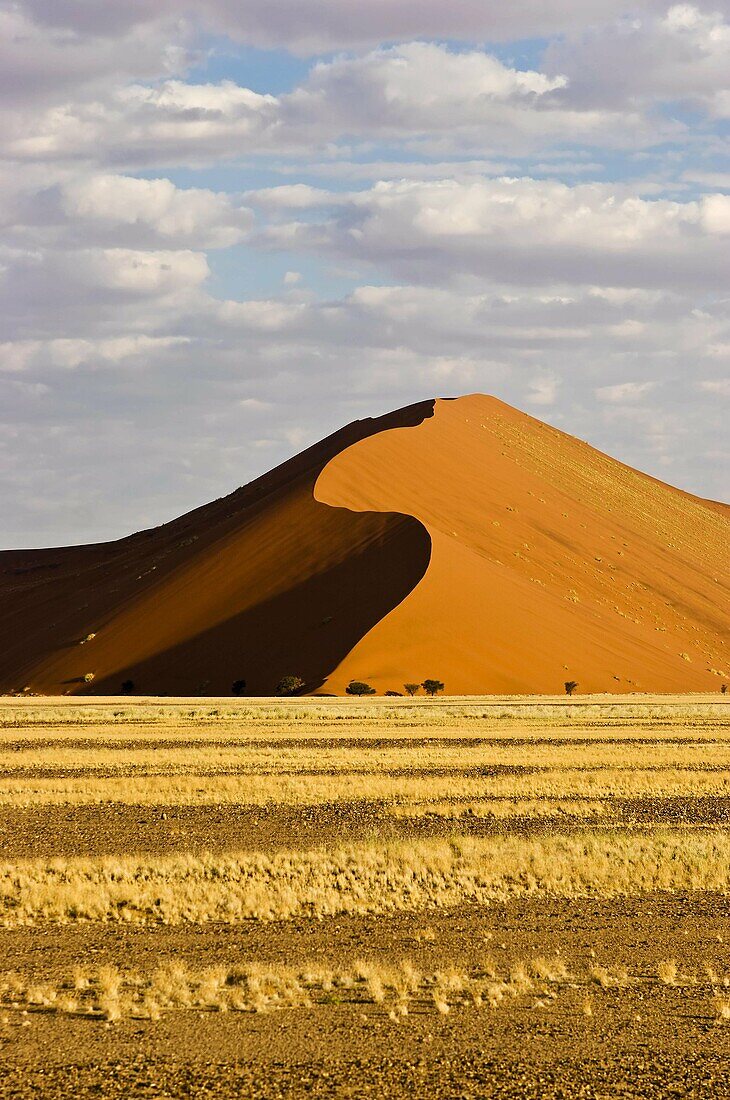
(358, 687)
(456, 871)
(289, 685)
(361, 878)
(394, 989)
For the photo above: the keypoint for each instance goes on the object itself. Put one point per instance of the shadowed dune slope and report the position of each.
(264, 583)
(550, 562)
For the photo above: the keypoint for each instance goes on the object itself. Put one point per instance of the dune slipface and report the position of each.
(456, 539)
(264, 583)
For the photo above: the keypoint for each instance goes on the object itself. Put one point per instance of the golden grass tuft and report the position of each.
(609, 977)
(391, 987)
(668, 972)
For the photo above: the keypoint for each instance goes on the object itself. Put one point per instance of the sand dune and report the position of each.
(458, 539)
(550, 561)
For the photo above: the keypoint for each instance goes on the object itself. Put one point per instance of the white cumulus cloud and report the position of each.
(520, 230)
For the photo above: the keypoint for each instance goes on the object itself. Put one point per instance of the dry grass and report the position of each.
(277, 759)
(547, 768)
(361, 878)
(371, 714)
(415, 756)
(309, 790)
(395, 988)
(503, 809)
(609, 977)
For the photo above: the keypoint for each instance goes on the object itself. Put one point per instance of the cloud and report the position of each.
(419, 92)
(190, 217)
(543, 390)
(58, 292)
(418, 86)
(720, 386)
(624, 392)
(294, 196)
(519, 230)
(716, 214)
(121, 211)
(680, 55)
(44, 62)
(68, 354)
(319, 26)
(168, 123)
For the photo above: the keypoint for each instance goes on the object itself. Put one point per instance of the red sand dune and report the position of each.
(456, 539)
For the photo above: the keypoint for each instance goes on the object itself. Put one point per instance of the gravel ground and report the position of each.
(694, 1076)
(118, 829)
(646, 1040)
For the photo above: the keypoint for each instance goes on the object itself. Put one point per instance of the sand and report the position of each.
(457, 539)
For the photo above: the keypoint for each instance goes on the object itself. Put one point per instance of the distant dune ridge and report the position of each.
(455, 539)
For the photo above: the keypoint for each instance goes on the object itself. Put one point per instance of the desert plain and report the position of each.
(449, 897)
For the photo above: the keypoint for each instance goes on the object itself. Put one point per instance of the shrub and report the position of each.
(431, 687)
(399, 694)
(289, 685)
(570, 686)
(357, 687)
(238, 687)
(411, 688)
(88, 677)
(723, 689)
(127, 687)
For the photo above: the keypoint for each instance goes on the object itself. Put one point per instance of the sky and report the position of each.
(228, 228)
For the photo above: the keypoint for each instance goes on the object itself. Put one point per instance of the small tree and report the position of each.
(238, 687)
(570, 686)
(723, 689)
(411, 688)
(357, 687)
(88, 677)
(431, 687)
(393, 694)
(127, 687)
(289, 685)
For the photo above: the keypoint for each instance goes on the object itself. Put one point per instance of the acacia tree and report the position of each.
(289, 685)
(357, 687)
(238, 687)
(570, 686)
(431, 687)
(411, 688)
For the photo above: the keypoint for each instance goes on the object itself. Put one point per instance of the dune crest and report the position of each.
(457, 539)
